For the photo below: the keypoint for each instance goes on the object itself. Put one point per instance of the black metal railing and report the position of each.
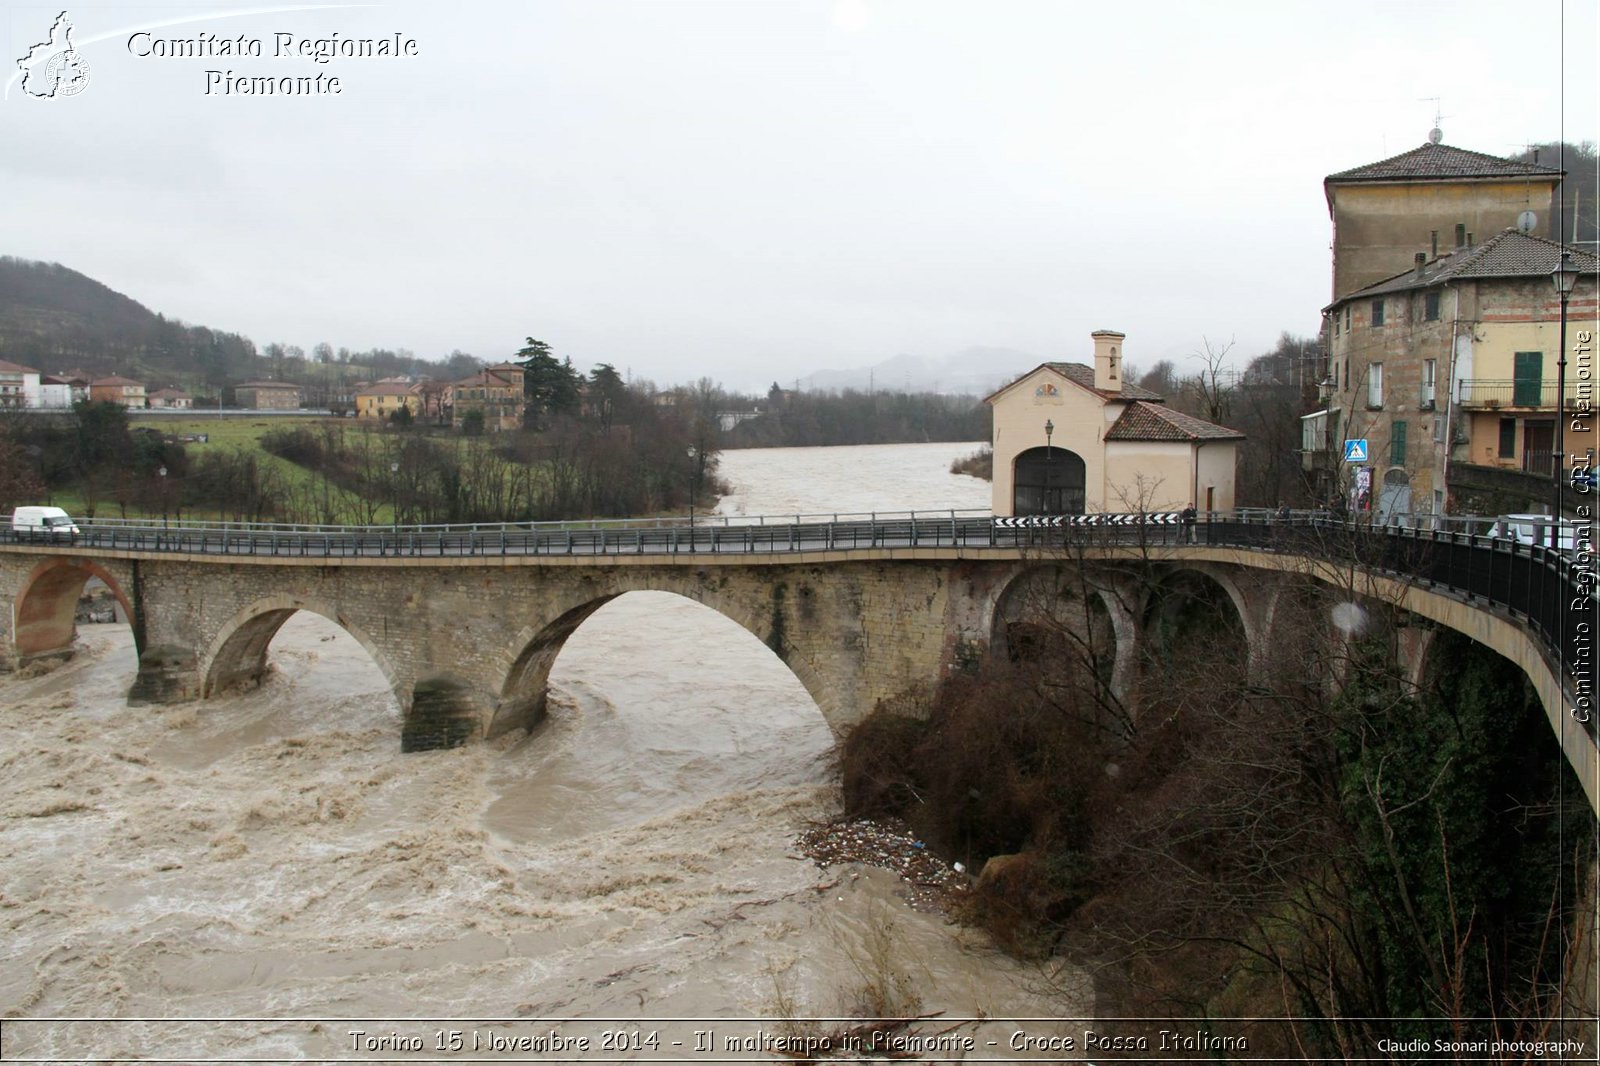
(1509, 392)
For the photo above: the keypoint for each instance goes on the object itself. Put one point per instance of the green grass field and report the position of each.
(226, 433)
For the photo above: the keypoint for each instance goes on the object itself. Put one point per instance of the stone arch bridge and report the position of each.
(465, 624)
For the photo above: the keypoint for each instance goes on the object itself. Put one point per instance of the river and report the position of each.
(270, 865)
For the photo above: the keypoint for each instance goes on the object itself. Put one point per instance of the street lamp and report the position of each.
(162, 472)
(694, 454)
(394, 497)
(1049, 456)
(1565, 277)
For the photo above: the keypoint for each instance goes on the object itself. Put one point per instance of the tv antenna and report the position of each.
(1436, 134)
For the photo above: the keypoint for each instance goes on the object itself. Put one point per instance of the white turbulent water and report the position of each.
(272, 855)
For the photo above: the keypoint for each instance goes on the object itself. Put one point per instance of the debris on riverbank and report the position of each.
(932, 885)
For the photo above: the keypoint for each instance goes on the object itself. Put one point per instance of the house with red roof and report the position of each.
(117, 389)
(1075, 438)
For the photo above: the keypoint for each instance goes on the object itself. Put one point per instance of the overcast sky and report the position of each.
(757, 190)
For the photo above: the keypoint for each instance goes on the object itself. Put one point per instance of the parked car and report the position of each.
(43, 523)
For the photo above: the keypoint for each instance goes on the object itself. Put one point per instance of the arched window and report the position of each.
(1048, 481)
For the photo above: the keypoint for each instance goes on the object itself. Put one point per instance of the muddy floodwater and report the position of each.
(272, 866)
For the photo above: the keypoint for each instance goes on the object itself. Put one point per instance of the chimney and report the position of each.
(1108, 359)
(1418, 262)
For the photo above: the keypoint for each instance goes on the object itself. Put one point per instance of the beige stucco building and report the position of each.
(496, 392)
(175, 399)
(1432, 199)
(119, 390)
(1076, 439)
(267, 395)
(385, 398)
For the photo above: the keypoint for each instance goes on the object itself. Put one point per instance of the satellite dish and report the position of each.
(1435, 135)
(1526, 221)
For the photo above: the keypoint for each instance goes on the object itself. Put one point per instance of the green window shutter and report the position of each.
(1397, 444)
(1527, 372)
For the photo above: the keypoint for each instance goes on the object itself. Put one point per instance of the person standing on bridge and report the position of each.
(1188, 516)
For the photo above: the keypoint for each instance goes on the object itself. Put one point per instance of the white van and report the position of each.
(42, 523)
(1533, 529)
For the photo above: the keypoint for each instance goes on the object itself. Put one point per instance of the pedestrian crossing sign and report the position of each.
(1355, 450)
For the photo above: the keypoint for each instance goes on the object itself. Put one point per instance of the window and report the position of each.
(1397, 444)
(1438, 431)
(1429, 369)
(1347, 375)
(1430, 307)
(1508, 438)
(1375, 385)
(1347, 318)
(1527, 374)
(1377, 313)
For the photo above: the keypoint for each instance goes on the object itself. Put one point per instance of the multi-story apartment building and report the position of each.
(496, 392)
(1450, 362)
(19, 385)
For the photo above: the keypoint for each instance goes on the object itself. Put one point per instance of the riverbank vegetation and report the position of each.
(627, 456)
(1279, 846)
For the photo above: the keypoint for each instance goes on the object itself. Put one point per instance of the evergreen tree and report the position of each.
(549, 386)
(606, 392)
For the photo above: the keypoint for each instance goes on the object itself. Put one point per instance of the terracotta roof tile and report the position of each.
(1148, 421)
(1441, 161)
(487, 378)
(1083, 375)
(1508, 254)
(387, 388)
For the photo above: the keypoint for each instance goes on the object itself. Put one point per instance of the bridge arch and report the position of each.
(1186, 602)
(1045, 608)
(532, 652)
(526, 688)
(237, 655)
(43, 622)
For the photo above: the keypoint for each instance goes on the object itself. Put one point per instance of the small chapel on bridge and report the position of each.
(1074, 439)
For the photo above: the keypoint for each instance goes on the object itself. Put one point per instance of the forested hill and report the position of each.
(53, 318)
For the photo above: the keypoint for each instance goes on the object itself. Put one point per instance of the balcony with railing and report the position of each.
(1508, 392)
(1541, 461)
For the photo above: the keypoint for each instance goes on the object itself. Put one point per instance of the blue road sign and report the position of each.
(1355, 450)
